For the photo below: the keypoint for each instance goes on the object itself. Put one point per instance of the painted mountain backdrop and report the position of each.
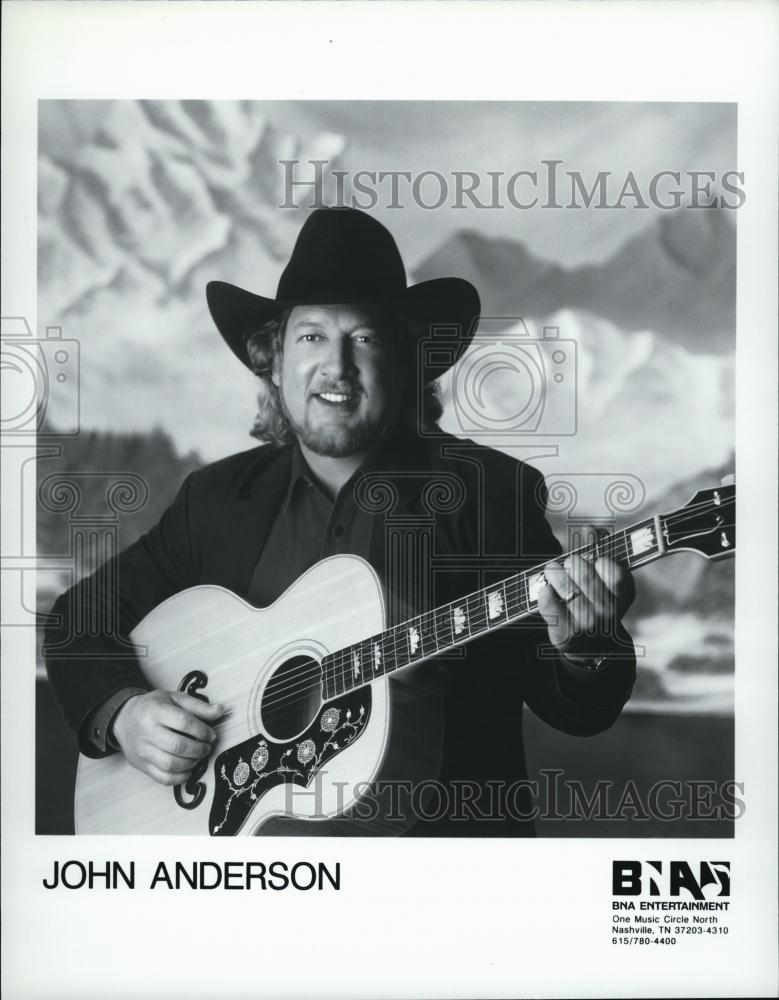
(676, 278)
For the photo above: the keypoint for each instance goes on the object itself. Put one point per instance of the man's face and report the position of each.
(338, 377)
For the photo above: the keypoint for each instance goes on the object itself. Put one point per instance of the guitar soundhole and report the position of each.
(292, 697)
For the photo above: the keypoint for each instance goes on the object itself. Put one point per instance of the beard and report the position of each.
(334, 440)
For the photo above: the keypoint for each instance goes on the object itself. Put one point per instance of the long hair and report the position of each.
(266, 344)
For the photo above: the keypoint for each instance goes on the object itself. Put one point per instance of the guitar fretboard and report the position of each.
(443, 628)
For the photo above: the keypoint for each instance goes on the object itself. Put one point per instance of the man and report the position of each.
(347, 405)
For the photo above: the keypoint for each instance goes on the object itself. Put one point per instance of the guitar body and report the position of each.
(314, 726)
(285, 761)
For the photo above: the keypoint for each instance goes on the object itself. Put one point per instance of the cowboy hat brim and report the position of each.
(451, 304)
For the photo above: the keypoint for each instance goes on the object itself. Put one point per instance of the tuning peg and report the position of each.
(729, 480)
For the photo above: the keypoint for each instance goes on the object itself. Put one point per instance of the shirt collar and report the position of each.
(300, 477)
(401, 451)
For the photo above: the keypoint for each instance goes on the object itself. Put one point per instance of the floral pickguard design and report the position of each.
(245, 772)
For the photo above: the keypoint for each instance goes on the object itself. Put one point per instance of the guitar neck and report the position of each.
(475, 614)
(705, 525)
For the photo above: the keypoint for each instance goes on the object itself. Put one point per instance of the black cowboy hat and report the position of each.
(343, 256)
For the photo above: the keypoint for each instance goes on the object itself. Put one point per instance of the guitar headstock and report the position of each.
(706, 524)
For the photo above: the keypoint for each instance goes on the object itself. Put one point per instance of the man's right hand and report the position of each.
(165, 733)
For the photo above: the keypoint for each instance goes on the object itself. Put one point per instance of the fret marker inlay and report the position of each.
(458, 620)
(413, 640)
(356, 664)
(534, 584)
(642, 541)
(376, 656)
(495, 604)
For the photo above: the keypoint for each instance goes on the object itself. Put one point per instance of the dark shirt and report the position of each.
(308, 527)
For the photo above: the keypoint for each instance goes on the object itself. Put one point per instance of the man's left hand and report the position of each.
(583, 603)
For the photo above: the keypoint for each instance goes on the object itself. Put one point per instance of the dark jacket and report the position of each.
(482, 514)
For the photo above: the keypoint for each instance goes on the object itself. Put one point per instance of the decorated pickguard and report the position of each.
(245, 772)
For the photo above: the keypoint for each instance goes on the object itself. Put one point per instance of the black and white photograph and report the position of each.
(525, 380)
(371, 463)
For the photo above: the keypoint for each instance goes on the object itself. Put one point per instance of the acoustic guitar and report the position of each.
(306, 684)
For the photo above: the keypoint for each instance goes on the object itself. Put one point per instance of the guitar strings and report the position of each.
(343, 660)
(311, 678)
